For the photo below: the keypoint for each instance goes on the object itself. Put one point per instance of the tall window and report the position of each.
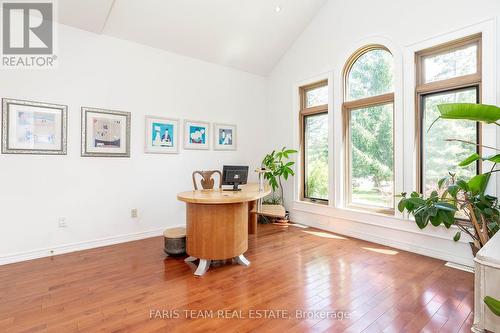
(449, 73)
(368, 111)
(314, 135)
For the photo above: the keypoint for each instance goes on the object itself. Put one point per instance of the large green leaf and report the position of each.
(441, 182)
(453, 190)
(472, 158)
(436, 220)
(422, 219)
(493, 305)
(416, 201)
(494, 158)
(476, 112)
(478, 183)
(446, 206)
(402, 205)
(462, 184)
(448, 218)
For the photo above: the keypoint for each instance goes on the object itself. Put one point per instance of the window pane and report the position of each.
(440, 156)
(317, 96)
(316, 156)
(371, 75)
(372, 156)
(458, 62)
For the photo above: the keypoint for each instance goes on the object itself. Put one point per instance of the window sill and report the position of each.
(372, 210)
(315, 202)
(377, 219)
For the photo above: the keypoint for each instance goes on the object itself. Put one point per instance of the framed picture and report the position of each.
(196, 135)
(162, 135)
(224, 137)
(105, 133)
(33, 127)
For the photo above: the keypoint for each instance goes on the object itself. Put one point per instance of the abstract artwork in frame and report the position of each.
(196, 135)
(162, 135)
(105, 133)
(224, 137)
(30, 127)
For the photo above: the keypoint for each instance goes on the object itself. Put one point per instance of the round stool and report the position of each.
(175, 241)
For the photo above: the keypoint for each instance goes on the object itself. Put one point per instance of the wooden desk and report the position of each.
(218, 223)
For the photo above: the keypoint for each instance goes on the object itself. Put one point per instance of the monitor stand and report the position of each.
(235, 188)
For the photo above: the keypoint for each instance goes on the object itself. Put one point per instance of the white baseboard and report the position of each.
(464, 268)
(73, 247)
(405, 241)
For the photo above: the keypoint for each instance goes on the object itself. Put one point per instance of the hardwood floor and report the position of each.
(118, 288)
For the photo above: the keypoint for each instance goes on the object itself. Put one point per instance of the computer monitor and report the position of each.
(234, 175)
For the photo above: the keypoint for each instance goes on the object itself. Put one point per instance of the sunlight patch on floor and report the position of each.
(323, 234)
(299, 226)
(382, 251)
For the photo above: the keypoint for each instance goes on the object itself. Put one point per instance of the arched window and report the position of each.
(368, 109)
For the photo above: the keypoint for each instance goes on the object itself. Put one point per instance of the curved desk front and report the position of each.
(218, 223)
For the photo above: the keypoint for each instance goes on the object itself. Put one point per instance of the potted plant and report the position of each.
(278, 166)
(467, 196)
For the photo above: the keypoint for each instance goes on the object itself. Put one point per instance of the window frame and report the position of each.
(458, 83)
(303, 114)
(347, 107)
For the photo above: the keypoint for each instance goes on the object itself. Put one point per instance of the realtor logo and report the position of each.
(27, 34)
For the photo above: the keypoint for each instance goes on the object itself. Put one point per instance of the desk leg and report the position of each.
(203, 267)
(242, 260)
(252, 218)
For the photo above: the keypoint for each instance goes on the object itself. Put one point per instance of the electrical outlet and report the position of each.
(133, 213)
(62, 222)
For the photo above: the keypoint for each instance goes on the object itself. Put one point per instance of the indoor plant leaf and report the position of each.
(494, 158)
(446, 206)
(453, 190)
(402, 205)
(417, 201)
(469, 111)
(477, 184)
(441, 182)
(472, 158)
(436, 220)
(462, 184)
(493, 305)
(448, 218)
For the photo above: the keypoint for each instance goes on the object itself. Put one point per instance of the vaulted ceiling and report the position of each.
(250, 35)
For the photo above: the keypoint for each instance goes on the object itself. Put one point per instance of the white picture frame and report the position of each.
(112, 140)
(162, 135)
(225, 137)
(30, 127)
(196, 135)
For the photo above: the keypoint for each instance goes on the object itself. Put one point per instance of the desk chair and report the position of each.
(206, 181)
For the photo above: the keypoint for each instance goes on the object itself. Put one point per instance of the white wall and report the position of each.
(95, 195)
(322, 49)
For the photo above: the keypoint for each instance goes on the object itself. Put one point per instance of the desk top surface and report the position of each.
(249, 192)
